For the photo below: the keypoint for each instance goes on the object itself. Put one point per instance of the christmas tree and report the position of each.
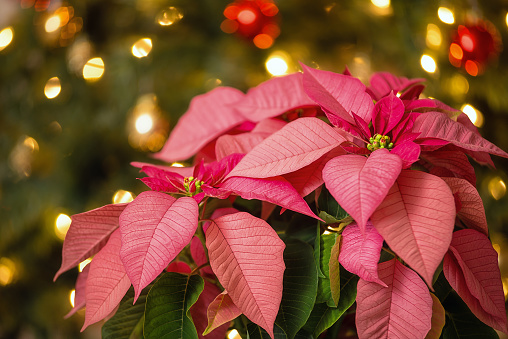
(90, 86)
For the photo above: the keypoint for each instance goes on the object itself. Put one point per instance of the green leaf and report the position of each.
(300, 287)
(127, 323)
(167, 306)
(461, 323)
(330, 210)
(322, 316)
(327, 241)
(301, 227)
(334, 271)
(256, 332)
(317, 251)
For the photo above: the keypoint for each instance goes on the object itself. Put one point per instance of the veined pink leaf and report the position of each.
(200, 314)
(360, 253)
(438, 125)
(416, 220)
(295, 146)
(401, 310)
(269, 126)
(221, 311)
(199, 256)
(455, 161)
(387, 113)
(307, 179)
(438, 319)
(239, 143)
(209, 115)
(246, 255)
(338, 93)
(359, 184)
(219, 212)
(274, 97)
(276, 190)
(80, 295)
(382, 83)
(471, 267)
(155, 227)
(107, 281)
(88, 233)
(472, 212)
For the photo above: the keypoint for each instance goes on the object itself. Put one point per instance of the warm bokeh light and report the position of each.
(505, 287)
(497, 188)
(7, 271)
(506, 19)
(53, 23)
(52, 88)
(459, 85)
(93, 69)
(473, 114)
(83, 264)
(445, 15)
(122, 196)
(177, 164)
(169, 16)
(72, 296)
(471, 68)
(144, 123)
(31, 143)
(434, 38)
(246, 16)
(233, 334)
(381, 3)
(142, 47)
(428, 63)
(456, 51)
(6, 36)
(62, 224)
(276, 65)
(263, 41)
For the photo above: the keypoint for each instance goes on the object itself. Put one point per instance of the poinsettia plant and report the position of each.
(315, 206)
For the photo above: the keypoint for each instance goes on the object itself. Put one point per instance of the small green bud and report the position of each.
(390, 145)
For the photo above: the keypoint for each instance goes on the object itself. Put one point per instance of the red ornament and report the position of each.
(255, 20)
(474, 45)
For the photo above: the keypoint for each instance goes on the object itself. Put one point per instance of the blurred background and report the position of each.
(88, 86)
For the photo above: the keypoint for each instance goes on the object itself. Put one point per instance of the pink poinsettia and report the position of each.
(397, 164)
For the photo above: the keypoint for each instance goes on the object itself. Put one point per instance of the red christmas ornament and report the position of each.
(474, 45)
(255, 20)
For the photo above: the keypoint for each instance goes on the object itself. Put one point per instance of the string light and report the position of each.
(433, 38)
(52, 88)
(6, 36)
(93, 69)
(7, 271)
(277, 63)
(381, 3)
(62, 224)
(83, 264)
(144, 123)
(122, 196)
(72, 296)
(169, 16)
(142, 47)
(473, 114)
(233, 334)
(497, 188)
(428, 63)
(446, 15)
